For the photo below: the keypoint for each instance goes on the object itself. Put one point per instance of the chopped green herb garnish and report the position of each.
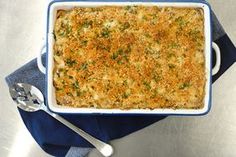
(58, 74)
(199, 43)
(154, 16)
(125, 26)
(76, 85)
(170, 55)
(126, 58)
(71, 77)
(70, 62)
(123, 56)
(78, 30)
(127, 7)
(126, 94)
(120, 51)
(71, 51)
(131, 9)
(68, 30)
(128, 49)
(54, 36)
(105, 33)
(148, 50)
(86, 24)
(184, 85)
(60, 70)
(144, 18)
(84, 42)
(58, 89)
(65, 72)
(147, 35)
(171, 66)
(69, 94)
(155, 93)
(117, 53)
(103, 47)
(58, 53)
(79, 93)
(194, 33)
(114, 55)
(156, 78)
(120, 62)
(147, 85)
(84, 66)
(61, 33)
(181, 22)
(174, 45)
(125, 82)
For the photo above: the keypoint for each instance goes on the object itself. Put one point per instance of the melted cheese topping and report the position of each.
(129, 57)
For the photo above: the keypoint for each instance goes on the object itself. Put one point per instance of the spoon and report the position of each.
(30, 99)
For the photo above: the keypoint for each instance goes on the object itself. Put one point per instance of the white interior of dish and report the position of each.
(68, 5)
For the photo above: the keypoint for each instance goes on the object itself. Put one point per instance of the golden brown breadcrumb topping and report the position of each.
(129, 57)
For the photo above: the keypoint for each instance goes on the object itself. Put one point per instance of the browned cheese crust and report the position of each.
(131, 57)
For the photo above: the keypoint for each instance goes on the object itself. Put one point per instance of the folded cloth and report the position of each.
(58, 140)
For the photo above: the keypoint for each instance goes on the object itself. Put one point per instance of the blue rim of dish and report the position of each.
(132, 114)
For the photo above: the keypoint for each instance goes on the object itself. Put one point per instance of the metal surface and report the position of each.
(29, 98)
(22, 30)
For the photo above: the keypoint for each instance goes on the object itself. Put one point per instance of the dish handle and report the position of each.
(39, 60)
(216, 68)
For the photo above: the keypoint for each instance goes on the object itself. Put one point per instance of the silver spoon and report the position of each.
(30, 98)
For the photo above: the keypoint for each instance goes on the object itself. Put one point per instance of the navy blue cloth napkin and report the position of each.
(58, 140)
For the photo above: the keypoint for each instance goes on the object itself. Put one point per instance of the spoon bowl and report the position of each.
(27, 97)
(30, 99)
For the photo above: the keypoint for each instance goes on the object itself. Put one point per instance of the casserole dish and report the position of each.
(65, 5)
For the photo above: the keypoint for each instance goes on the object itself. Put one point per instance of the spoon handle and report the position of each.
(105, 149)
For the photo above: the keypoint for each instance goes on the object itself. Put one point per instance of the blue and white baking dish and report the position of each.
(48, 71)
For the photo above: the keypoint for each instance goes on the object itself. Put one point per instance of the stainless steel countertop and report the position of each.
(22, 32)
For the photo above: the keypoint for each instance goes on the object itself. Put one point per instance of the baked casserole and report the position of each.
(129, 57)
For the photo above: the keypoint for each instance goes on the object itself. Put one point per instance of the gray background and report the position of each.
(22, 30)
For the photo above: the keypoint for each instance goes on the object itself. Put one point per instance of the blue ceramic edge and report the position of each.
(131, 114)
